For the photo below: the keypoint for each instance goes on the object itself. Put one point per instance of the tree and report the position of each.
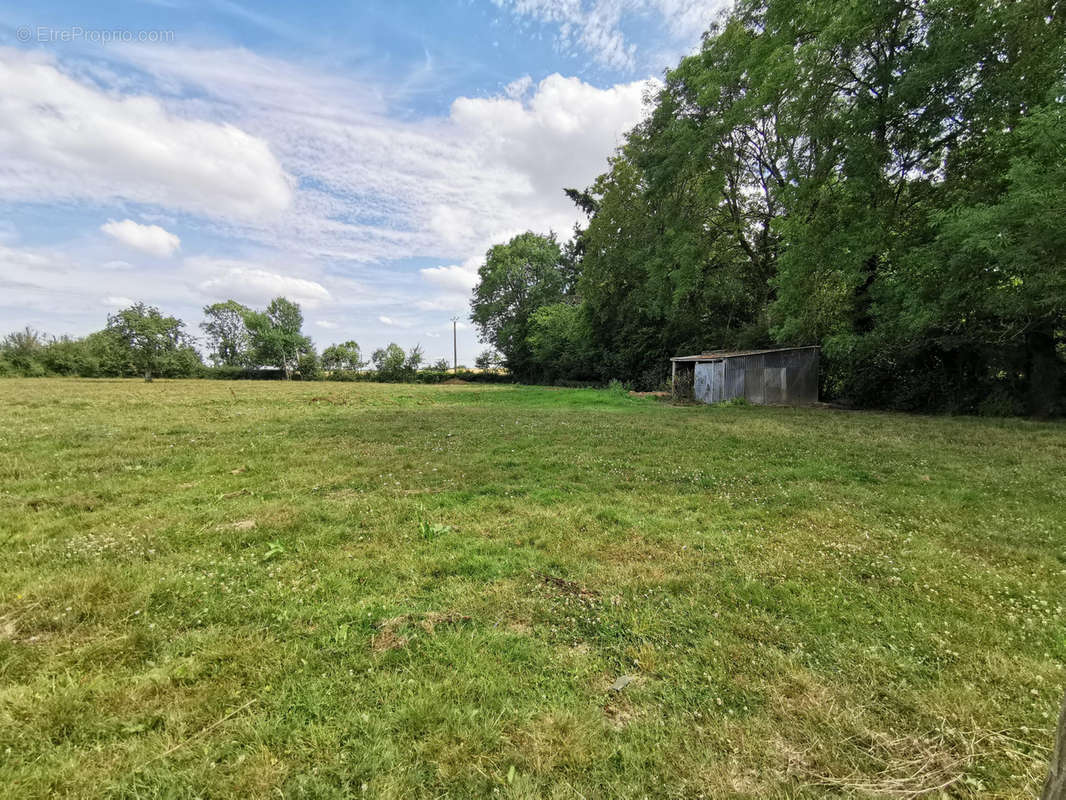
(388, 362)
(995, 277)
(276, 336)
(309, 367)
(412, 362)
(23, 349)
(227, 334)
(559, 339)
(516, 279)
(488, 359)
(150, 342)
(441, 365)
(343, 356)
(846, 175)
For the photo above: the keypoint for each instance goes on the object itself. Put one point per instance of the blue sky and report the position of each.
(358, 158)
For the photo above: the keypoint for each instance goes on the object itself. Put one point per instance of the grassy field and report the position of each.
(214, 589)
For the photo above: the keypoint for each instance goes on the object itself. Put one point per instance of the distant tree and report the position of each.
(66, 355)
(22, 349)
(227, 334)
(441, 365)
(150, 342)
(345, 355)
(516, 279)
(412, 362)
(309, 367)
(484, 360)
(388, 362)
(276, 336)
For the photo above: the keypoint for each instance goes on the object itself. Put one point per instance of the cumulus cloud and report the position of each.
(62, 138)
(359, 188)
(374, 188)
(251, 284)
(325, 323)
(148, 238)
(387, 320)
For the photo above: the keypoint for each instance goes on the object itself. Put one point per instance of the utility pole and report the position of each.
(455, 347)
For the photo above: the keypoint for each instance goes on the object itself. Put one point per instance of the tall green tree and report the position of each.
(276, 335)
(516, 279)
(995, 276)
(227, 333)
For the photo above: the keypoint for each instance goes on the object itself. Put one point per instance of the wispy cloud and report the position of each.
(596, 27)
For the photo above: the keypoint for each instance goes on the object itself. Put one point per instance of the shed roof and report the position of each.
(720, 354)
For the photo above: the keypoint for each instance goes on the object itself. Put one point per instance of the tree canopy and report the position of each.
(881, 178)
(149, 341)
(276, 335)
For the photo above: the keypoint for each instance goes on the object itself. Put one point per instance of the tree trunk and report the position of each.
(1045, 372)
(148, 376)
(1055, 788)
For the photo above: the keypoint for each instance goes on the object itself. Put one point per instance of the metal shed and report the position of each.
(781, 376)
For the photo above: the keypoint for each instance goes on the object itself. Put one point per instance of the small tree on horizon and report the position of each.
(345, 355)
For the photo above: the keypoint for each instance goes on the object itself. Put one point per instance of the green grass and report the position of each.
(809, 602)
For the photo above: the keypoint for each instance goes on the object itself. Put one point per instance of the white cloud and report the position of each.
(366, 189)
(373, 188)
(432, 335)
(251, 284)
(63, 138)
(456, 278)
(518, 88)
(116, 301)
(149, 238)
(325, 323)
(387, 320)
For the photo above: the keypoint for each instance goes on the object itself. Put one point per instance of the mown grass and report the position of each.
(809, 602)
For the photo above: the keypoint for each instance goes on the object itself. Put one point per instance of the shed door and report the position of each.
(708, 386)
(717, 381)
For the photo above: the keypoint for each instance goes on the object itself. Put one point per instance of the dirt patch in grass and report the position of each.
(389, 636)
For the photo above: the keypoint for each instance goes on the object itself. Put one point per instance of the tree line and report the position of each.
(886, 179)
(241, 342)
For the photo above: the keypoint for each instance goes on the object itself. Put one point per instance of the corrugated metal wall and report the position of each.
(788, 377)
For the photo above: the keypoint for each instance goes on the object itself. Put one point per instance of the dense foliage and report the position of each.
(883, 178)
